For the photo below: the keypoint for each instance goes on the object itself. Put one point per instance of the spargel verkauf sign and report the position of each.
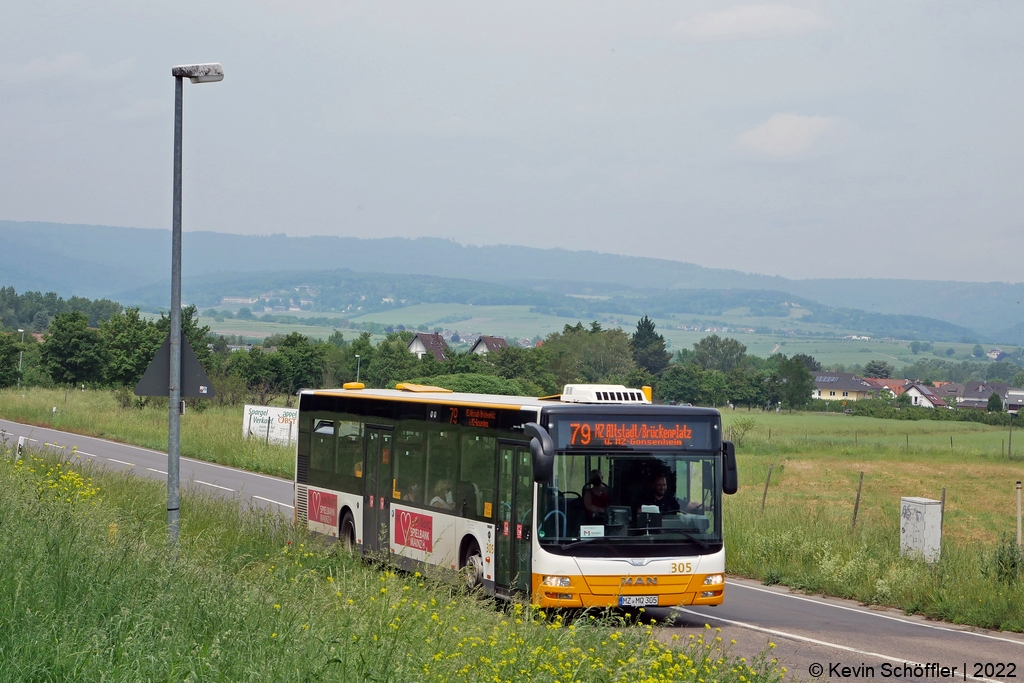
(272, 425)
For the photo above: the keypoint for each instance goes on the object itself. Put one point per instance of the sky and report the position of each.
(803, 139)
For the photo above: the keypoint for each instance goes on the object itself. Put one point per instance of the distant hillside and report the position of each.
(98, 261)
(353, 294)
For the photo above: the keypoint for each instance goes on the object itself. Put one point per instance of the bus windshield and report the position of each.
(631, 504)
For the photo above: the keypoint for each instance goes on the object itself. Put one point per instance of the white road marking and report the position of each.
(130, 464)
(157, 471)
(216, 486)
(88, 455)
(877, 614)
(286, 505)
(793, 636)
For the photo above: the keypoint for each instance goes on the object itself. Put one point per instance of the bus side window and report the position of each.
(410, 465)
(442, 458)
(321, 456)
(349, 465)
(476, 475)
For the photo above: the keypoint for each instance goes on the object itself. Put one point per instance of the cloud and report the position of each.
(72, 65)
(752, 22)
(788, 136)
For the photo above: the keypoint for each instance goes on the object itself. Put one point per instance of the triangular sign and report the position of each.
(194, 382)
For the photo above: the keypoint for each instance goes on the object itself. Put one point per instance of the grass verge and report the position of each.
(90, 592)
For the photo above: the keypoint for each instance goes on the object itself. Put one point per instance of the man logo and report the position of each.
(640, 581)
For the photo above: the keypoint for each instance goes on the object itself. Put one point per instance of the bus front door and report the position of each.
(378, 486)
(515, 508)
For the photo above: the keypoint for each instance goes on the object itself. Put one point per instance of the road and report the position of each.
(807, 630)
(266, 491)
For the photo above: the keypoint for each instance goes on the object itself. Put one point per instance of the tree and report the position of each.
(131, 343)
(950, 351)
(244, 313)
(995, 403)
(797, 384)
(304, 368)
(72, 352)
(1018, 379)
(392, 362)
(878, 369)
(915, 347)
(714, 388)
(191, 330)
(809, 362)
(715, 353)
(649, 347)
(977, 351)
(680, 383)
(9, 351)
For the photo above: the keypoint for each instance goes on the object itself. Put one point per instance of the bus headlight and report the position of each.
(557, 581)
(713, 579)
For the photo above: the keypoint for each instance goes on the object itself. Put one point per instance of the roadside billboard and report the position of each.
(270, 424)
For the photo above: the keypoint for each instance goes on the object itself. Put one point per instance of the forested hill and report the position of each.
(100, 261)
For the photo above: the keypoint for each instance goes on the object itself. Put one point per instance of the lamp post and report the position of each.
(21, 355)
(358, 362)
(197, 73)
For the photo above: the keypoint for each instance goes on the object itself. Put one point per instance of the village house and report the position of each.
(486, 344)
(976, 394)
(924, 396)
(892, 387)
(841, 386)
(429, 342)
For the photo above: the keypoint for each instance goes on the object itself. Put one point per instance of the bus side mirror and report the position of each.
(542, 448)
(730, 477)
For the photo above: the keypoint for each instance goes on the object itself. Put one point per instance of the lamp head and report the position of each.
(20, 330)
(199, 73)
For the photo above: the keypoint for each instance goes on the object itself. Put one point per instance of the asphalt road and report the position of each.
(808, 631)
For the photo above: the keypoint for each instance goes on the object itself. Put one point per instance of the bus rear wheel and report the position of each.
(473, 565)
(347, 536)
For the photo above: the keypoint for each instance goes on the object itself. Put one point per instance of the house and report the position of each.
(996, 354)
(924, 396)
(950, 392)
(841, 386)
(429, 342)
(486, 344)
(895, 387)
(976, 394)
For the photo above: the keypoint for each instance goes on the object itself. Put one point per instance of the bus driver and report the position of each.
(668, 504)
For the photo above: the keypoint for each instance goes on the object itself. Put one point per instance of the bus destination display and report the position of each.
(578, 433)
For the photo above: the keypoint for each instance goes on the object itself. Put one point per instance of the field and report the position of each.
(505, 321)
(804, 538)
(89, 591)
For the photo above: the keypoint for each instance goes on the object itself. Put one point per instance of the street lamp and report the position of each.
(358, 362)
(197, 73)
(21, 355)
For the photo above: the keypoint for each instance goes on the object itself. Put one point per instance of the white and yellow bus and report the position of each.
(592, 498)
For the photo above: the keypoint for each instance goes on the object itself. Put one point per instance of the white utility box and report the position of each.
(921, 528)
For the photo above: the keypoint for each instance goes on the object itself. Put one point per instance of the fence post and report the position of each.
(942, 512)
(268, 427)
(1018, 514)
(764, 497)
(908, 443)
(856, 506)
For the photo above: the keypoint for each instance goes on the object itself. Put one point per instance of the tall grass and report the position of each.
(214, 435)
(89, 591)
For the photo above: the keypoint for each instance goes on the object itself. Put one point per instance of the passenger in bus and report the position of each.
(595, 497)
(412, 494)
(666, 503)
(357, 469)
(443, 497)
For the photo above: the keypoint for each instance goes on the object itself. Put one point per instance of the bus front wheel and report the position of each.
(473, 565)
(348, 532)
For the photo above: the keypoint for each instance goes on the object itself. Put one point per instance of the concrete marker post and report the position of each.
(1018, 515)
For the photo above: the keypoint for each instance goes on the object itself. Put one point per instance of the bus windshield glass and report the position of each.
(631, 504)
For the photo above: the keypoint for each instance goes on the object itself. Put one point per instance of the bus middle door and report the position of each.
(376, 522)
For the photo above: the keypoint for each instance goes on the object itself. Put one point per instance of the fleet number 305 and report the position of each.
(682, 568)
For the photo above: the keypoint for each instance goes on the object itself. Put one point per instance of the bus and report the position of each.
(592, 498)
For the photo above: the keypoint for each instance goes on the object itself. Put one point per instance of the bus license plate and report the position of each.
(638, 601)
